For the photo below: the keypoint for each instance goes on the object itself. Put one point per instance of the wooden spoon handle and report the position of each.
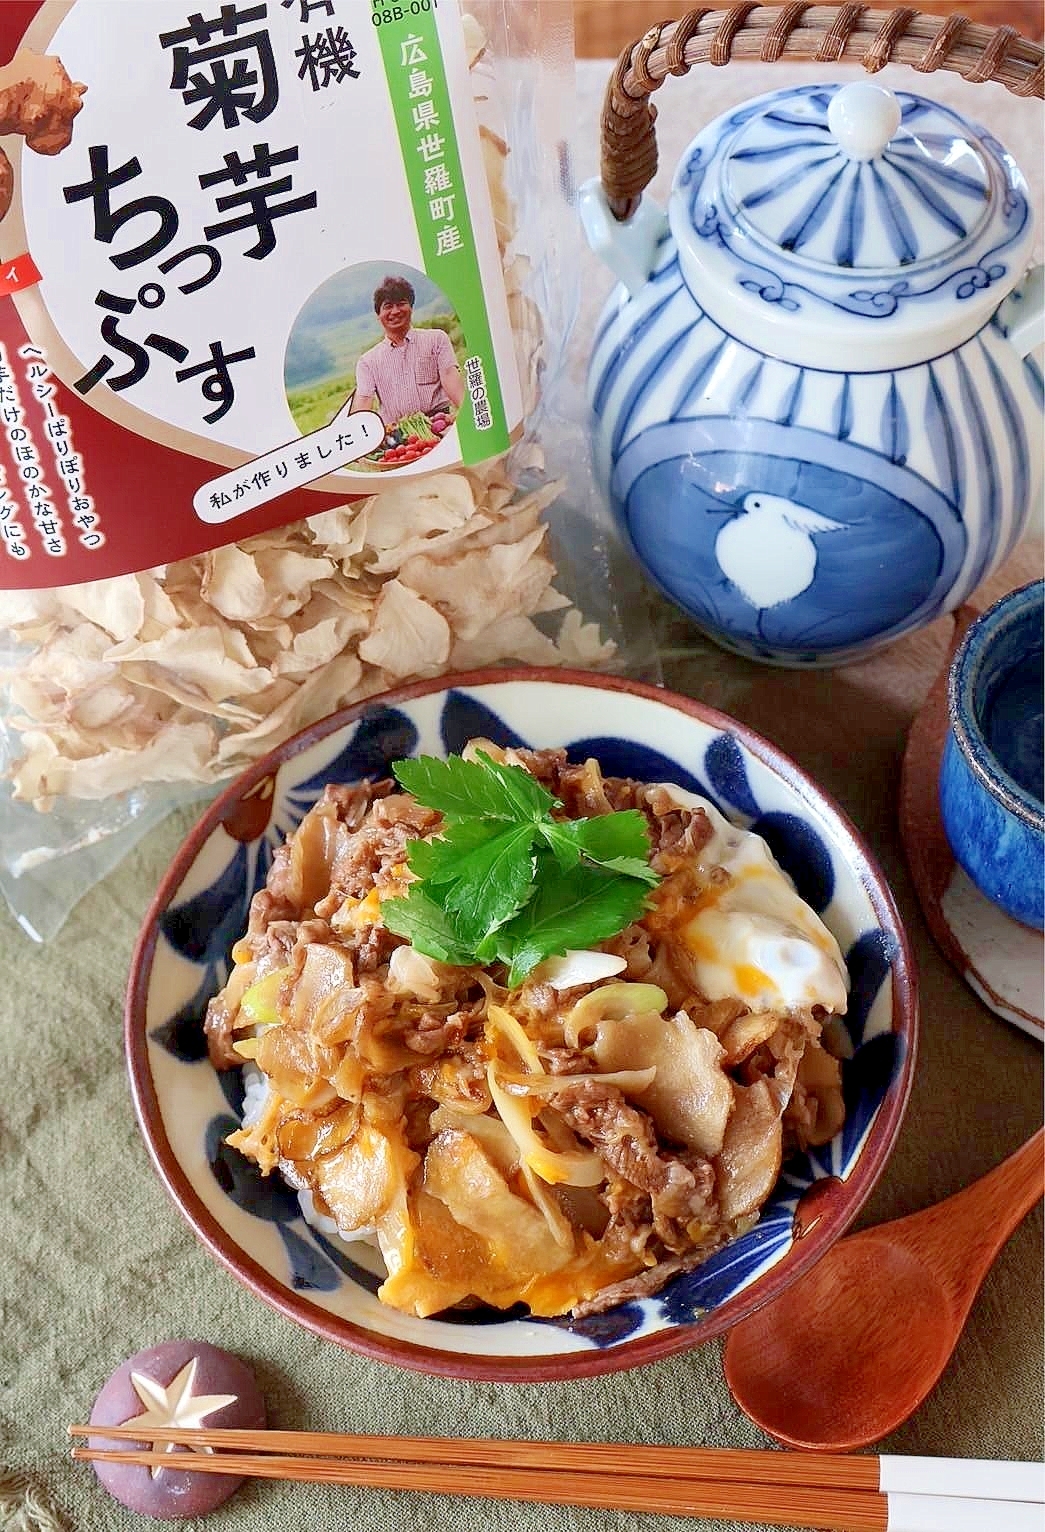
(963, 1234)
(1017, 1183)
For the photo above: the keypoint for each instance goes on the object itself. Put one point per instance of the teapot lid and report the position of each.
(821, 217)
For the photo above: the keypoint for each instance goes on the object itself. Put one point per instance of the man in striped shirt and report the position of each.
(410, 370)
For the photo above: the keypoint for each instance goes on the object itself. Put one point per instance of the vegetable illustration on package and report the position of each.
(39, 101)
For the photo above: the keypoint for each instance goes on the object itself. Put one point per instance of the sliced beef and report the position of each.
(565, 1061)
(645, 1284)
(675, 831)
(680, 1194)
(353, 801)
(365, 858)
(373, 947)
(633, 945)
(432, 1033)
(218, 1030)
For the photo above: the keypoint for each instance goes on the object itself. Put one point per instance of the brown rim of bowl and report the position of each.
(576, 1364)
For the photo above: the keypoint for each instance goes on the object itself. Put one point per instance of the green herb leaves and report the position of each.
(506, 881)
(569, 910)
(482, 789)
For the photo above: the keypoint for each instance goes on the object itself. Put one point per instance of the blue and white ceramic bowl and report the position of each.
(991, 775)
(254, 1226)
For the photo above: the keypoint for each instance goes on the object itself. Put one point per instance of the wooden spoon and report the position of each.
(849, 1352)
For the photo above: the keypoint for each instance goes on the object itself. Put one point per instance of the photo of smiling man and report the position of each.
(408, 370)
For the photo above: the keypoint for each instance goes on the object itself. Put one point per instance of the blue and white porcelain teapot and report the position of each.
(817, 416)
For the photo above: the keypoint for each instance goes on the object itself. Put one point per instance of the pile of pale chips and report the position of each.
(188, 672)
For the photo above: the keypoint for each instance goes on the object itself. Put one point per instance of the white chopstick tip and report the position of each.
(960, 1513)
(976, 1478)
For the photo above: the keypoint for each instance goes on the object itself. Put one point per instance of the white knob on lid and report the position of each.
(864, 119)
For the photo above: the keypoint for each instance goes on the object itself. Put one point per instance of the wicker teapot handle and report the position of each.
(822, 33)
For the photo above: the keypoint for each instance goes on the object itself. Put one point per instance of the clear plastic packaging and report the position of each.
(129, 694)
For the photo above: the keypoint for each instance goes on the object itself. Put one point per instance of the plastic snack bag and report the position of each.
(285, 287)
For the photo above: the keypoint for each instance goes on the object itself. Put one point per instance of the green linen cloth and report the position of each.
(98, 1264)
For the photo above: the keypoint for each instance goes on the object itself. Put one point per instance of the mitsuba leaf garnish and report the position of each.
(469, 790)
(504, 880)
(425, 924)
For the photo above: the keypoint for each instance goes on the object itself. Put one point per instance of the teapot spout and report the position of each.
(1023, 310)
(628, 249)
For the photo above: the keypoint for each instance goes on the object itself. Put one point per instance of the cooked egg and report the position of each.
(757, 938)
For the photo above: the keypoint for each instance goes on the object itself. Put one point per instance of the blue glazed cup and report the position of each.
(991, 772)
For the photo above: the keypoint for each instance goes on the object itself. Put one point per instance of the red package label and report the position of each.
(19, 273)
(199, 341)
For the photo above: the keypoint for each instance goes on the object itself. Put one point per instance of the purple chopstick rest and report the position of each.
(186, 1384)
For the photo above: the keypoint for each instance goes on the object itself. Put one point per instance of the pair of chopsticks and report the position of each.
(820, 1490)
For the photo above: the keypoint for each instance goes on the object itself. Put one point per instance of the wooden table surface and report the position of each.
(604, 27)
